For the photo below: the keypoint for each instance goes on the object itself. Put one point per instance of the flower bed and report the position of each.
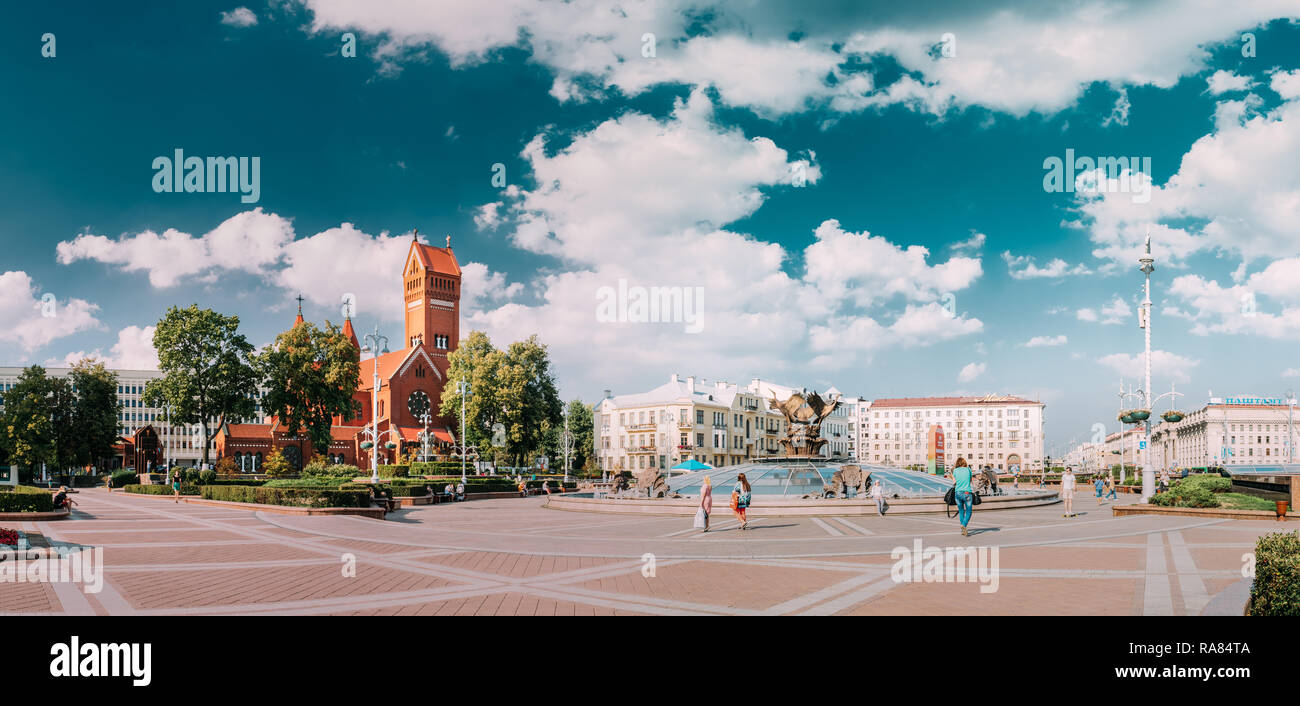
(8, 537)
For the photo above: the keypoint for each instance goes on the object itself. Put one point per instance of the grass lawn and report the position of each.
(1241, 501)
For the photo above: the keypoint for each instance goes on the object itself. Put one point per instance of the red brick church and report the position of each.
(411, 379)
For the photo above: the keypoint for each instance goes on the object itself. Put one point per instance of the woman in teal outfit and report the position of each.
(964, 494)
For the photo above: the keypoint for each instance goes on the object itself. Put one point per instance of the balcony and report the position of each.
(648, 426)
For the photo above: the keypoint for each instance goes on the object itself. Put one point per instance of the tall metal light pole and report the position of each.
(463, 388)
(1148, 473)
(1290, 435)
(377, 344)
(566, 442)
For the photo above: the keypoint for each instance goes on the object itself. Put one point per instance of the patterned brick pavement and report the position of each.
(514, 557)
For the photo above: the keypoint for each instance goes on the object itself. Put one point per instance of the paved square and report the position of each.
(515, 557)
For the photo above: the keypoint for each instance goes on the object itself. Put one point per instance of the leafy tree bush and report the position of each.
(1276, 588)
(123, 477)
(226, 466)
(277, 466)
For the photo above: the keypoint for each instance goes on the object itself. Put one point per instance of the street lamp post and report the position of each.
(463, 388)
(566, 442)
(377, 344)
(1290, 434)
(1148, 266)
(424, 446)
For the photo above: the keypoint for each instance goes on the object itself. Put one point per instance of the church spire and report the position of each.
(299, 319)
(449, 241)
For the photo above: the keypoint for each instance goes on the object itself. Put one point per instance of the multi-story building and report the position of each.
(1227, 432)
(1087, 456)
(183, 443)
(1002, 431)
(1123, 447)
(717, 423)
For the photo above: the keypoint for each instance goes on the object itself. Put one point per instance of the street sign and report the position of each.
(1142, 445)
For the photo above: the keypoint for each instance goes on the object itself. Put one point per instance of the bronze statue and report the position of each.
(804, 416)
(651, 483)
(849, 476)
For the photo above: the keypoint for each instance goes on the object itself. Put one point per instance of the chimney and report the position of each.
(673, 378)
(609, 394)
(690, 383)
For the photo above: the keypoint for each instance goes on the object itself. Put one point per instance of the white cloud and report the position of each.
(1291, 373)
(1164, 365)
(1028, 270)
(1221, 82)
(1086, 314)
(973, 244)
(239, 17)
(28, 319)
(250, 241)
(866, 268)
(133, 351)
(971, 371)
(1039, 341)
(1116, 311)
(1008, 58)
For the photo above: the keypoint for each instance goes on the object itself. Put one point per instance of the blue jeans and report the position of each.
(965, 506)
(1111, 495)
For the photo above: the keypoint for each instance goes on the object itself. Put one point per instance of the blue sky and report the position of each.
(923, 184)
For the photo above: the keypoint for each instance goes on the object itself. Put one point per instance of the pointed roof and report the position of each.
(299, 319)
(351, 333)
(440, 260)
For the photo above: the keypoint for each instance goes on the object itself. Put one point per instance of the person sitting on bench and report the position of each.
(61, 499)
(460, 491)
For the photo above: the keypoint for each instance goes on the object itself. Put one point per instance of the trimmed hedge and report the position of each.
(394, 471)
(122, 478)
(1276, 588)
(290, 497)
(186, 489)
(308, 482)
(21, 498)
(1193, 491)
(237, 481)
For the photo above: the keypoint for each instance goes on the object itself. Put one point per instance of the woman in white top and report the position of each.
(1067, 491)
(878, 493)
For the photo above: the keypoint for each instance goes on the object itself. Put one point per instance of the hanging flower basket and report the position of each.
(367, 445)
(1172, 415)
(390, 446)
(1133, 416)
(1141, 415)
(1126, 417)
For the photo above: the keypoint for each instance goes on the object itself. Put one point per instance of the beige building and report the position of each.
(1001, 431)
(717, 423)
(1123, 447)
(1225, 432)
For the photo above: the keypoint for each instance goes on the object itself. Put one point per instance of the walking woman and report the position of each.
(706, 500)
(1067, 491)
(740, 500)
(176, 485)
(964, 494)
(878, 494)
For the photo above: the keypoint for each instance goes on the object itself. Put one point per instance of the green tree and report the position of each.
(62, 408)
(27, 425)
(95, 412)
(207, 373)
(477, 362)
(515, 388)
(311, 376)
(276, 465)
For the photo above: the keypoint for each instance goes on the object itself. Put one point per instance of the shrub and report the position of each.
(394, 471)
(186, 489)
(290, 496)
(237, 481)
(226, 466)
(277, 466)
(318, 467)
(190, 476)
(26, 499)
(1276, 588)
(121, 478)
(310, 482)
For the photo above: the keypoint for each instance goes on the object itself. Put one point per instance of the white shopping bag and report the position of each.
(699, 518)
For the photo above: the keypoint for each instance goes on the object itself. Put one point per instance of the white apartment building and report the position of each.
(184, 443)
(1226, 433)
(1001, 431)
(717, 423)
(1087, 456)
(1122, 447)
